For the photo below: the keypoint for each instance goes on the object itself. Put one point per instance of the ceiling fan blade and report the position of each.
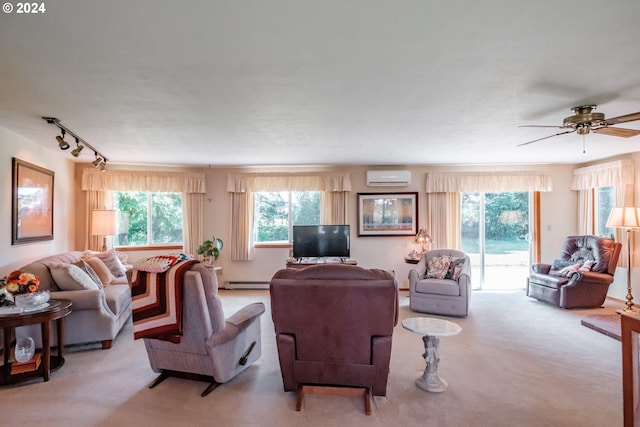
(541, 126)
(623, 119)
(546, 137)
(621, 132)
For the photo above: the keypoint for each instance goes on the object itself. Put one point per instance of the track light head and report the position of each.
(96, 163)
(76, 151)
(64, 145)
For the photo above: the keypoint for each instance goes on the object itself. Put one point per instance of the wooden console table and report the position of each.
(307, 264)
(56, 310)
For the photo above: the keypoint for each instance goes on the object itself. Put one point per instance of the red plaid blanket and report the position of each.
(157, 302)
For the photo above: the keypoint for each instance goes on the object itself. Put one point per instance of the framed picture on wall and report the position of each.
(32, 203)
(387, 214)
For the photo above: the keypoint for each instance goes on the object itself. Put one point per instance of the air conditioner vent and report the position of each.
(388, 178)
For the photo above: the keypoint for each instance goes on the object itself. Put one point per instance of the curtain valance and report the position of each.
(457, 182)
(121, 180)
(315, 181)
(619, 172)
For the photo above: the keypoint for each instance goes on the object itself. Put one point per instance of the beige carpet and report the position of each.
(517, 362)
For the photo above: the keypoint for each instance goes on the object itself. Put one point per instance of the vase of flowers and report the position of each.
(17, 283)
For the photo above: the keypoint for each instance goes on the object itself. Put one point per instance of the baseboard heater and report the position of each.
(246, 285)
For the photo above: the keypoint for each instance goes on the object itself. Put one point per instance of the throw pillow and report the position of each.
(70, 277)
(82, 264)
(111, 260)
(105, 275)
(438, 266)
(458, 269)
(455, 263)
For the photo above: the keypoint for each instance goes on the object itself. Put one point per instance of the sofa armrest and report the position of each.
(541, 268)
(88, 299)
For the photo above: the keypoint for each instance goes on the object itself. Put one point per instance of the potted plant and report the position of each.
(210, 249)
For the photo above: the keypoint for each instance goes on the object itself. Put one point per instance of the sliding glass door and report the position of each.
(495, 234)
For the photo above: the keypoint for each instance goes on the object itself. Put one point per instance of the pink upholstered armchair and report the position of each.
(567, 282)
(334, 326)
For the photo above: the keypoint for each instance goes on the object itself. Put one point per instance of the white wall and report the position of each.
(13, 145)
(558, 214)
(558, 220)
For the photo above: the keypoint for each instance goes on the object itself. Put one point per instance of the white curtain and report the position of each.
(495, 182)
(335, 188)
(619, 174)
(443, 197)
(98, 184)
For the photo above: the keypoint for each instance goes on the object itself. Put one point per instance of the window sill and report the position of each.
(273, 245)
(147, 248)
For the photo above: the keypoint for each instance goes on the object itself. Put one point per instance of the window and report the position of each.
(277, 212)
(605, 200)
(147, 218)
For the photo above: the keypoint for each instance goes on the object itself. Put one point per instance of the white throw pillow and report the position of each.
(70, 277)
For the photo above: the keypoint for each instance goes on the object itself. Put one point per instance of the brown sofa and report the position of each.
(334, 325)
(564, 285)
(96, 315)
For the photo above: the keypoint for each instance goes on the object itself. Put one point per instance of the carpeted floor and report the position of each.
(517, 362)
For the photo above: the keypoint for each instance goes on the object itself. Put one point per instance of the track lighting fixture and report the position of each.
(76, 151)
(100, 162)
(64, 145)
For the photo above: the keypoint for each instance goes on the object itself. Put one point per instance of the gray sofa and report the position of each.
(96, 315)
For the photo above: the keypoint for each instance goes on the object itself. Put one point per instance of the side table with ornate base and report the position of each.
(431, 330)
(54, 310)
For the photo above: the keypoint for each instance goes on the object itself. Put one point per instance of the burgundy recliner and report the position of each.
(334, 326)
(565, 285)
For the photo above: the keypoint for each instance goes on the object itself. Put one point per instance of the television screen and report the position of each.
(317, 241)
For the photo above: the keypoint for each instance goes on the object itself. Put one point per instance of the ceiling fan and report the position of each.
(585, 120)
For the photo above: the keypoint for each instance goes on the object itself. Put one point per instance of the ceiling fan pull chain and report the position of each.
(584, 151)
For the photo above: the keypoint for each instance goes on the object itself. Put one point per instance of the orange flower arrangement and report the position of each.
(21, 283)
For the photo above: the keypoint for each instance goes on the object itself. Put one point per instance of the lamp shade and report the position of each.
(626, 217)
(103, 222)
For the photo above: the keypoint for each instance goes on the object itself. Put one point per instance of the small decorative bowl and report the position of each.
(32, 299)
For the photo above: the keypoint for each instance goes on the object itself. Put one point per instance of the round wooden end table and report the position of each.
(56, 310)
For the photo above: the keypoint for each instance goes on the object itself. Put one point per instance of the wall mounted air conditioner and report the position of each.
(380, 178)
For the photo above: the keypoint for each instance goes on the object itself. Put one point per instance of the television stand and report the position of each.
(306, 262)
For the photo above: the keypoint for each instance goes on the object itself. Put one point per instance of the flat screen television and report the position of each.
(319, 241)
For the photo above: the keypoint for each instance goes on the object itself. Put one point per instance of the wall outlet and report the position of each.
(405, 283)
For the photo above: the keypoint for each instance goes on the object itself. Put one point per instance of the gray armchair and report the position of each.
(449, 293)
(211, 348)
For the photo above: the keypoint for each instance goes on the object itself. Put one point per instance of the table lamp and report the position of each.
(103, 223)
(423, 239)
(628, 219)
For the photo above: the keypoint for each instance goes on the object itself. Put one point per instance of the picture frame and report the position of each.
(31, 203)
(388, 214)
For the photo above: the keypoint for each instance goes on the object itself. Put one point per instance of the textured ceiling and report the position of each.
(321, 82)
